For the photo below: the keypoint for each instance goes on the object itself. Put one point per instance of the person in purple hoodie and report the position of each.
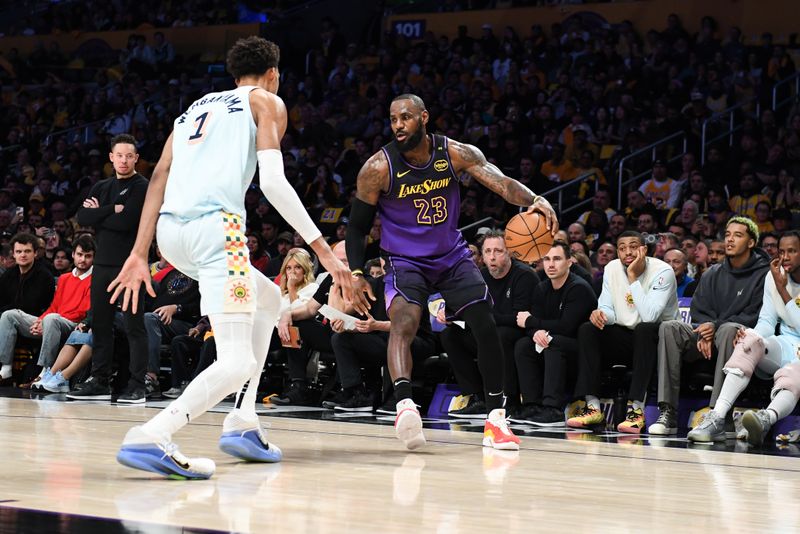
(412, 183)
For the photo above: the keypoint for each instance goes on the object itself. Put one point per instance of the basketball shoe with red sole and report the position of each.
(496, 433)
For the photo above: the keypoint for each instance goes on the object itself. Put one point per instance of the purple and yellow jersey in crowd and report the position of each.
(419, 213)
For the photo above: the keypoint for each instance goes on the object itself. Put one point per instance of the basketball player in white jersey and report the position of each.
(196, 196)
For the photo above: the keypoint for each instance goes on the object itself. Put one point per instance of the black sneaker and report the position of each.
(360, 401)
(337, 399)
(389, 407)
(296, 395)
(548, 416)
(132, 396)
(92, 389)
(475, 409)
(152, 388)
(524, 414)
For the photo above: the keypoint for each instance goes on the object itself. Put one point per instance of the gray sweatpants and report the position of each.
(677, 343)
(55, 330)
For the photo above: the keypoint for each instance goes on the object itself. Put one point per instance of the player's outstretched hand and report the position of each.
(545, 208)
(128, 282)
(362, 295)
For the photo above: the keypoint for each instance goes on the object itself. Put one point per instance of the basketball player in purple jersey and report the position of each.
(412, 183)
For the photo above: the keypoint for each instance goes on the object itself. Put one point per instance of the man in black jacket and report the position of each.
(727, 299)
(113, 209)
(28, 287)
(511, 285)
(174, 311)
(561, 305)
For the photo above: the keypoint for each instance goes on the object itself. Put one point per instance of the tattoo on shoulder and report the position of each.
(373, 178)
(469, 154)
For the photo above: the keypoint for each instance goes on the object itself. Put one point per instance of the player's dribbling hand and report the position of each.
(133, 274)
(598, 319)
(545, 208)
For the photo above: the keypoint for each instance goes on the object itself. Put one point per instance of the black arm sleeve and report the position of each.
(361, 217)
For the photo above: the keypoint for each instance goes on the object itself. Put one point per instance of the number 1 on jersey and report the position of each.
(200, 121)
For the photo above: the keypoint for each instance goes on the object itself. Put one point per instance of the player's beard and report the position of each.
(411, 142)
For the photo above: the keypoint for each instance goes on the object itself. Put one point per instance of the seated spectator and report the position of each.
(173, 311)
(25, 292)
(676, 258)
(666, 241)
(366, 348)
(616, 225)
(296, 281)
(769, 244)
(258, 257)
(763, 217)
(550, 346)
(511, 284)
(558, 169)
(374, 267)
(191, 354)
(661, 190)
(284, 243)
(745, 202)
(73, 357)
(638, 294)
(62, 261)
(727, 299)
(315, 335)
(600, 201)
(760, 351)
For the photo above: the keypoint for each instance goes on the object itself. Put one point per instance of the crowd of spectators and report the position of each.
(546, 107)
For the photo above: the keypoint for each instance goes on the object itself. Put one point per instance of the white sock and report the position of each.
(593, 402)
(781, 406)
(732, 387)
(233, 334)
(6, 370)
(638, 405)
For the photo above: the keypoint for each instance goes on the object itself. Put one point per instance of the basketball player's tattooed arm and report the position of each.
(373, 179)
(469, 159)
(135, 271)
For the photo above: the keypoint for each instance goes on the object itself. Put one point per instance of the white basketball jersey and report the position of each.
(213, 156)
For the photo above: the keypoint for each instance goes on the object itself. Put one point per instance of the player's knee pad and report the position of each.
(746, 355)
(788, 378)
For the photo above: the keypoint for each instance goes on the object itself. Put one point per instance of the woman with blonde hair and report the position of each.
(296, 283)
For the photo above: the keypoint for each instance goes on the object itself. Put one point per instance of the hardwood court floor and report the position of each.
(352, 477)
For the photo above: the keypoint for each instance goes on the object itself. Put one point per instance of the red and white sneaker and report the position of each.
(408, 425)
(496, 433)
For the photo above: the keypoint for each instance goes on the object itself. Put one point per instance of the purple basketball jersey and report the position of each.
(419, 213)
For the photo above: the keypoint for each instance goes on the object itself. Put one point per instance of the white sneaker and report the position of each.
(408, 425)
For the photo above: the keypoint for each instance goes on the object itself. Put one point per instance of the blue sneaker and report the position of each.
(250, 445)
(56, 383)
(140, 451)
(39, 383)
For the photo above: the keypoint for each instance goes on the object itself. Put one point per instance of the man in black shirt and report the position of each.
(28, 288)
(562, 304)
(113, 208)
(511, 285)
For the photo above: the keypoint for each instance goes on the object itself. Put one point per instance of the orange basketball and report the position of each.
(527, 236)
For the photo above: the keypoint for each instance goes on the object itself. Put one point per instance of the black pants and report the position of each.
(600, 349)
(462, 351)
(190, 356)
(354, 350)
(314, 336)
(103, 330)
(543, 377)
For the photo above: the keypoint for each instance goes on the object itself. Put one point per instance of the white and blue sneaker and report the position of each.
(39, 383)
(250, 445)
(146, 452)
(56, 383)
